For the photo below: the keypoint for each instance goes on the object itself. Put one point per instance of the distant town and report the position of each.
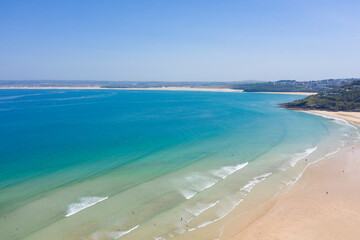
(345, 97)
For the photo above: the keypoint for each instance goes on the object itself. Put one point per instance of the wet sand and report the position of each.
(323, 205)
(353, 117)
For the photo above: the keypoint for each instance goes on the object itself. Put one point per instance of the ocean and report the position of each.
(132, 164)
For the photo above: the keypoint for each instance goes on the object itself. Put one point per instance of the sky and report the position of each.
(179, 40)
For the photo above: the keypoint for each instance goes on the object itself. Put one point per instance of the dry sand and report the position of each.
(323, 205)
(162, 88)
(353, 117)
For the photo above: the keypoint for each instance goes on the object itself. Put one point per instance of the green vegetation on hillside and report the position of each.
(343, 98)
(272, 87)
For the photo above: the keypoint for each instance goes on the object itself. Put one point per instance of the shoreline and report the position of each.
(183, 89)
(196, 89)
(322, 204)
(75, 88)
(291, 93)
(353, 117)
(254, 206)
(151, 88)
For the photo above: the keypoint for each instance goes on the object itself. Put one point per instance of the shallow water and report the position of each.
(110, 164)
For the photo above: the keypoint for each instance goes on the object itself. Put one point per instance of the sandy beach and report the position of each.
(96, 87)
(353, 117)
(186, 89)
(167, 89)
(155, 88)
(323, 204)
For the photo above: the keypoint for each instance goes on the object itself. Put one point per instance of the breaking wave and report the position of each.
(84, 203)
(252, 183)
(226, 171)
(200, 207)
(119, 234)
(298, 156)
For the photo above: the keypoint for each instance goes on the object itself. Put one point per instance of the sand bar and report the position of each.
(95, 87)
(155, 88)
(323, 205)
(167, 89)
(186, 89)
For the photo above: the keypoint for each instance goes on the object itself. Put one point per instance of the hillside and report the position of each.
(272, 87)
(294, 86)
(343, 98)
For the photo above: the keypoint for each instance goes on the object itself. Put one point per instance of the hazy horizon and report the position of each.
(204, 81)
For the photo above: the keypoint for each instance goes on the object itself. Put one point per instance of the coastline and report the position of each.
(154, 88)
(9, 88)
(291, 93)
(262, 207)
(323, 204)
(184, 89)
(353, 117)
(166, 89)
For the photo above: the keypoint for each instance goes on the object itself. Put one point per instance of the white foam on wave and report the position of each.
(314, 162)
(158, 238)
(81, 97)
(201, 207)
(20, 96)
(84, 203)
(199, 183)
(225, 211)
(119, 234)
(298, 156)
(187, 194)
(226, 171)
(336, 120)
(249, 186)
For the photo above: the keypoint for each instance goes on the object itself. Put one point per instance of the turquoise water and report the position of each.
(108, 164)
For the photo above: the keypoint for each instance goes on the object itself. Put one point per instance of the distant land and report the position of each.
(343, 98)
(318, 86)
(294, 86)
(112, 84)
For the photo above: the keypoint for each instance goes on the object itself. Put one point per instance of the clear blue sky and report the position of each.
(174, 40)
